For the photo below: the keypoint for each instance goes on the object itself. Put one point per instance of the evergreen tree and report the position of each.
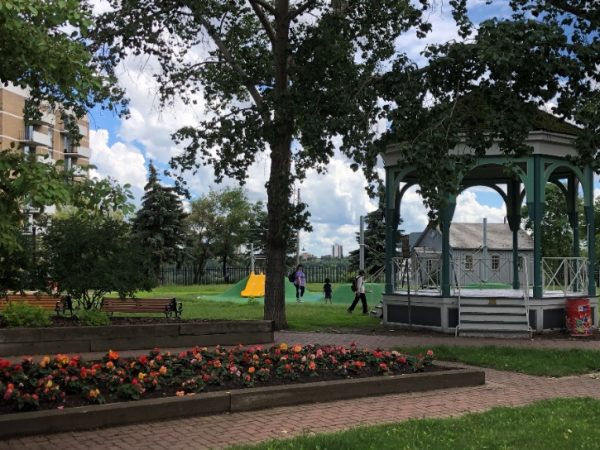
(160, 223)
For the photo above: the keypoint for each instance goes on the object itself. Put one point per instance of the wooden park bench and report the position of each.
(168, 306)
(50, 302)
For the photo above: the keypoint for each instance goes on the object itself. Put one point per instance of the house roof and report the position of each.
(499, 236)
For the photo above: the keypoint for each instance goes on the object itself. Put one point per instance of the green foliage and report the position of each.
(100, 197)
(550, 424)
(218, 224)
(159, 224)
(90, 256)
(25, 181)
(56, 65)
(93, 318)
(25, 315)
(557, 232)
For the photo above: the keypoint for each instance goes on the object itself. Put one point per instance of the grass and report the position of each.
(541, 362)
(301, 317)
(551, 424)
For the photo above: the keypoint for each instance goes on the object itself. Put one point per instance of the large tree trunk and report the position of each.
(279, 186)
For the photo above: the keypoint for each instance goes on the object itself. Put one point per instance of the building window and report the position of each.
(495, 263)
(468, 262)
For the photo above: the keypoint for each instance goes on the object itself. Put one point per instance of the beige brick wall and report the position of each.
(12, 127)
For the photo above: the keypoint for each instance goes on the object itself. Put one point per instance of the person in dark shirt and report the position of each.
(327, 291)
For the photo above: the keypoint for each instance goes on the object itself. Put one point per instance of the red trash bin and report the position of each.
(579, 317)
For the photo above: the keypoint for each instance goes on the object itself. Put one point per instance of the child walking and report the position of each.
(327, 290)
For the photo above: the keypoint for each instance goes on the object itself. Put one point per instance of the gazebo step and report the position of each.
(493, 318)
(499, 302)
(495, 334)
(493, 327)
(492, 310)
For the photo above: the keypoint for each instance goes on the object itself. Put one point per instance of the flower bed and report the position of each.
(64, 381)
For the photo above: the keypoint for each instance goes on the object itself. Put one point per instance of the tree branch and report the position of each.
(266, 5)
(258, 100)
(263, 19)
(300, 9)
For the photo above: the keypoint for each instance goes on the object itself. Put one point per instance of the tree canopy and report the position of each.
(301, 79)
(271, 72)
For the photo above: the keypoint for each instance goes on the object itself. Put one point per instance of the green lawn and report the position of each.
(542, 362)
(301, 317)
(553, 424)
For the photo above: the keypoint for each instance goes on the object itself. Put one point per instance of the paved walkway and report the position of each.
(502, 388)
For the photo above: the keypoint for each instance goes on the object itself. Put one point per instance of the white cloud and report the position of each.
(120, 161)
(468, 209)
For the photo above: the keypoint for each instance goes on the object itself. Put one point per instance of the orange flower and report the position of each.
(45, 361)
(179, 393)
(297, 348)
(110, 365)
(162, 370)
(312, 365)
(113, 355)
(283, 346)
(93, 393)
(251, 370)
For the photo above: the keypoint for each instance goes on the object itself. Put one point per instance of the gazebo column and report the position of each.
(390, 232)
(446, 214)
(536, 211)
(572, 193)
(588, 194)
(513, 215)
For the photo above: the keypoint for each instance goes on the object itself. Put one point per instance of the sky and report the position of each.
(122, 149)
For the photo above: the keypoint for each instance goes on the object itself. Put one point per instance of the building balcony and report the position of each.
(78, 152)
(29, 135)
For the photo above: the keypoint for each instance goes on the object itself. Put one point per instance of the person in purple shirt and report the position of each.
(300, 283)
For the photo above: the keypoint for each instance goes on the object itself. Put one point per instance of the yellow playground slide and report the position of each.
(255, 287)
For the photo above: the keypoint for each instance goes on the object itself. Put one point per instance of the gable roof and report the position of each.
(466, 236)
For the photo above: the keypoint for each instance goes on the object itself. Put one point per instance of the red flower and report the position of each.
(113, 355)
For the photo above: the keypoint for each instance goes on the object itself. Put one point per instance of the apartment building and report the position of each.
(46, 136)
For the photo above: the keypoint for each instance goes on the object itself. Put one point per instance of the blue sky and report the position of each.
(123, 148)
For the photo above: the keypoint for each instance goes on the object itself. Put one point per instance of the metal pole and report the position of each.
(251, 258)
(298, 236)
(361, 264)
(485, 250)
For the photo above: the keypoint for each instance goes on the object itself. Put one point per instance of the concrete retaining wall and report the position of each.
(35, 341)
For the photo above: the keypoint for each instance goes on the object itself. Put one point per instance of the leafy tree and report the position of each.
(25, 181)
(219, 224)
(89, 256)
(159, 223)
(557, 233)
(56, 65)
(272, 72)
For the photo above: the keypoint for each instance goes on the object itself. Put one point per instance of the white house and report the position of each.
(475, 260)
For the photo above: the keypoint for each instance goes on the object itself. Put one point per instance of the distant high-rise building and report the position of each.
(337, 251)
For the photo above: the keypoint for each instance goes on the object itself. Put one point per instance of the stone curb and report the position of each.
(125, 413)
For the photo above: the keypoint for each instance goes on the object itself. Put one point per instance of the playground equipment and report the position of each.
(255, 287)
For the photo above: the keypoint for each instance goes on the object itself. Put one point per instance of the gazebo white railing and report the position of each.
(569, 275)
(421, 273)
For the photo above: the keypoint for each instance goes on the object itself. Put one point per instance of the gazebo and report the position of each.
(537, 300)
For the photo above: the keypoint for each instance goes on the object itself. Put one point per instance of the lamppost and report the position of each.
(30, 230)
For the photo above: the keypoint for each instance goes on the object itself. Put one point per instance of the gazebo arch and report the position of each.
(548, 162)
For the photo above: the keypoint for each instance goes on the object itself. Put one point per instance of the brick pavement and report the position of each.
(502, 388)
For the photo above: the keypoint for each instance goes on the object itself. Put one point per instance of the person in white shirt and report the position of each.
(360, 293)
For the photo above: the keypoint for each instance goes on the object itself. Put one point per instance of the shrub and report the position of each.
(25, 315)
(93, 318)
